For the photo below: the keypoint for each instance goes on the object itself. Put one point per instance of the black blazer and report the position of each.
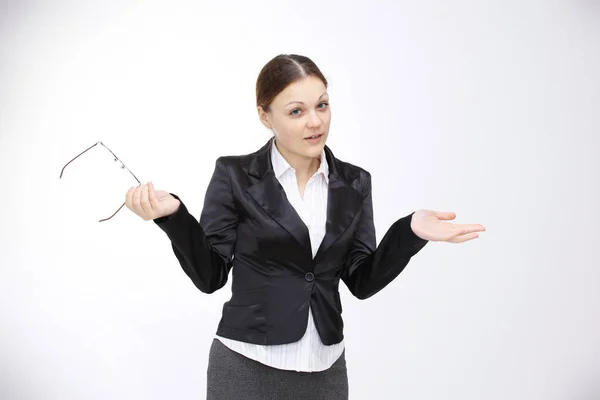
(248, 224)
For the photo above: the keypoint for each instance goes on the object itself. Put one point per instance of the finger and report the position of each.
(469, 228)
(137, 207)
(145, 201)
(445, 215)
(152, 197)
(464, 238)
(129, 198)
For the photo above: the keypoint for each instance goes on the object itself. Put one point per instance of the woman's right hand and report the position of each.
(148, 203)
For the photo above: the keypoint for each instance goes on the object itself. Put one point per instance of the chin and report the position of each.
(315, 151)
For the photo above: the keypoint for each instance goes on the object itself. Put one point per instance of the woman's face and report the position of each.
(299, 112)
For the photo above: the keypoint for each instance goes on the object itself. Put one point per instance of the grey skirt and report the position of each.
(232, 376)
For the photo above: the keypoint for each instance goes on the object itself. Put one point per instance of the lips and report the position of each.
(314, 137)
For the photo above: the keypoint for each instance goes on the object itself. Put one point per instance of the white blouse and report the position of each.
(309, 354)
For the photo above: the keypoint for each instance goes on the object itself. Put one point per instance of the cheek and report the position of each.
(290, 130)
(327, 116)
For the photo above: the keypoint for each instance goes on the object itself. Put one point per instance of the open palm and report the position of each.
(433, 226)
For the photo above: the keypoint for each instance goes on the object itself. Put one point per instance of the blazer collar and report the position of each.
(260, 164)
(343, 203)
(281, 166)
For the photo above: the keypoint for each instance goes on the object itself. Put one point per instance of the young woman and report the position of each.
(290, 220)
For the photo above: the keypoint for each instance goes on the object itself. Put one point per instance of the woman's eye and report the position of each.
(321, 106)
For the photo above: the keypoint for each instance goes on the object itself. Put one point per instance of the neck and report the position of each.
(305, 167)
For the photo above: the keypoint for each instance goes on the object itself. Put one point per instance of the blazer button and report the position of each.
(309, 276)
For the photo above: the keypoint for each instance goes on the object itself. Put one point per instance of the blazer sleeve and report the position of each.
(205, 247)
(369, 268)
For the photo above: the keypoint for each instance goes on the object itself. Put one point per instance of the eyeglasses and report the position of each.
(116, 160)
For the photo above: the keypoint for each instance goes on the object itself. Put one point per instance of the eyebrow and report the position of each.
(300, 102)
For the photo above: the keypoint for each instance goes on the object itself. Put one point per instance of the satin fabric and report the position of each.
(248, 226)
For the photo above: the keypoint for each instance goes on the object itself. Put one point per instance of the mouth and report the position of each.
(314, 137)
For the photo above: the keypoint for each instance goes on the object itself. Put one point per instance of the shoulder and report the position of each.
(355, 176)
(238, 163)
(240, 167)
(350, 172)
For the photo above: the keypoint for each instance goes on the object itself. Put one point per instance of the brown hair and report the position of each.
(278, 73)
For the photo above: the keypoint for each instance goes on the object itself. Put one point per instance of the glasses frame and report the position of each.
(123, 166)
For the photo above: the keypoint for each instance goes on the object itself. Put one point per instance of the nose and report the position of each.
(314, 120)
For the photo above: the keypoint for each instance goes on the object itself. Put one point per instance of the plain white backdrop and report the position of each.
(488, 109)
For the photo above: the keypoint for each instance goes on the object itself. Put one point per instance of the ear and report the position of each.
(264, 117)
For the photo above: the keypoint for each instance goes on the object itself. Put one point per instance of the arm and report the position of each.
(204, 248)
(369, 268)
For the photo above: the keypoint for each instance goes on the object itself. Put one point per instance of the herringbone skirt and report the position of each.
(232, 376)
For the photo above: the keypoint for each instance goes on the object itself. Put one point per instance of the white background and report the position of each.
(488, 109)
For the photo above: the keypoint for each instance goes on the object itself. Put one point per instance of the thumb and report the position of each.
(158, 194)
(445, 215)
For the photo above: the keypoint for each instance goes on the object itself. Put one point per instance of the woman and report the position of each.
(291, 220)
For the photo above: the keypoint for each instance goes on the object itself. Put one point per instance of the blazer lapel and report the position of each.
(270, 195)
(343, 204)
(343, 201)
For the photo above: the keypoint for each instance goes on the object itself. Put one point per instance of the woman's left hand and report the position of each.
(431, 225)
